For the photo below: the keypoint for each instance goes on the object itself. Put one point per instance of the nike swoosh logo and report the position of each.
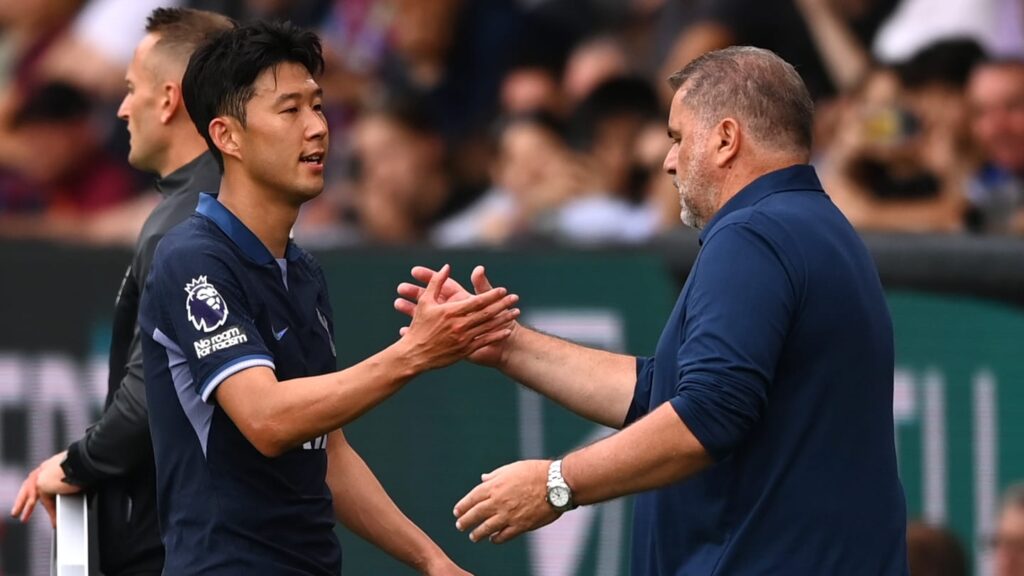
(279, 335)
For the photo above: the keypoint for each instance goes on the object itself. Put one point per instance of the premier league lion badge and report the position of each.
(206, 308)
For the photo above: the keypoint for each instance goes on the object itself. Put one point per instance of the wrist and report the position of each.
(434, 561)
(511, 346)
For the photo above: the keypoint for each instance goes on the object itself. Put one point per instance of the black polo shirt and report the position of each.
(216, 303)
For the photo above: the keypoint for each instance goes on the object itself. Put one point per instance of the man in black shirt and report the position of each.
(115, 457)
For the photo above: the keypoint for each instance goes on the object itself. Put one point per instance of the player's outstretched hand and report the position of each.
(451, 291)
(508, 502)
(447, 326)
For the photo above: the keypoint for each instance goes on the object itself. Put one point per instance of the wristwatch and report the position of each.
(559, 493)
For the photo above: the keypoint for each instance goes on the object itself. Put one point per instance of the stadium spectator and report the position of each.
(772, 381)
(1008, 540)
(934, 551)
(590, 64)
(996, 192)
(826, 40)
(534, 174)
(252, 466)
(902, 156)
(54, 162)
(88, 56)
(605, 128)
(403, 182)
(114, 460)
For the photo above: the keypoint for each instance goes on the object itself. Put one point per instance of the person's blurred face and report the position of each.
(526, 150)
(529, 90)
(996, 95)
(285, 139)
(395, 160)
(690, 165)
(1009, 543)
(141, 108)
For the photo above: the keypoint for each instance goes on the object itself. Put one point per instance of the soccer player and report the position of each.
(759, 437)
(114, 459)
(238, 335)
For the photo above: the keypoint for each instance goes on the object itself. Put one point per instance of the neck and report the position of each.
(743, 172)
(266, 213)
(185, 147)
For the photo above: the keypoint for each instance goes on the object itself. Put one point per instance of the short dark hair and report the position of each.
(944, 63)
(754, 85)
(183, 30)
(220, 75)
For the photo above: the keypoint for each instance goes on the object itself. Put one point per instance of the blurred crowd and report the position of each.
(489, 122)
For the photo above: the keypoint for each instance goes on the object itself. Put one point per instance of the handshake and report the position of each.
(448, 323)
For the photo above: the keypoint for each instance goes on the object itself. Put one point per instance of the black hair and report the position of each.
(630, 96)
(54, 102)
(944, 63)
(221, 73)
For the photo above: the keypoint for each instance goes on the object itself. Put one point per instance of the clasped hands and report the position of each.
(512, 499)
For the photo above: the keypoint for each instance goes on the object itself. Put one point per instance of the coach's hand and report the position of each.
(492, 354)
(510, 500)
(445, 329)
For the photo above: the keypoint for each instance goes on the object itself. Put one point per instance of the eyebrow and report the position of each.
(296, 95)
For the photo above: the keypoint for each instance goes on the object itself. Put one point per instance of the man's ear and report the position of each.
(226, 135)
(171, 102)
(728, 138)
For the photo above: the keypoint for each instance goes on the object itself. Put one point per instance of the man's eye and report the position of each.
(290, 110)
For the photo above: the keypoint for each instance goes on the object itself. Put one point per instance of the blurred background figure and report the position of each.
(1008, 540)
(996, 193)
(901, 155)
(934, 551)
(56, 178)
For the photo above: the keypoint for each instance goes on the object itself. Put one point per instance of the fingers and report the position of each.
(405, 306)
(475, 496)
(49, 502)
(477, 514)
(500, 320)
(422, 273)
(479, 301)
(433, 291)
(480, 282)
(488, 528)
(496, 310)
(410, 291)
(25, 501)
(504, 535)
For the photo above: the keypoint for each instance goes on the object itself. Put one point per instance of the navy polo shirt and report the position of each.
(778, 356)
(216, 303)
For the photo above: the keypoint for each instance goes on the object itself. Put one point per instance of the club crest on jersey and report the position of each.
(206, 309)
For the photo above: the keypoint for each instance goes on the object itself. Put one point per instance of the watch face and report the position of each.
(558, 496)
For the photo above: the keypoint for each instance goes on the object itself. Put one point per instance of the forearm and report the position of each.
(595, 384)
(286, 414)
(116, 444)
(845, 59)
(362, 505)
(655, 451)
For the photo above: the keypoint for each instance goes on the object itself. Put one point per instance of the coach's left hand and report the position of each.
(510, 500)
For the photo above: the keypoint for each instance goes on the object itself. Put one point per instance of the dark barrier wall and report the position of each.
(958, 403)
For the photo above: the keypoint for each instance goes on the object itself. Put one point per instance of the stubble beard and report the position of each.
(696, 195)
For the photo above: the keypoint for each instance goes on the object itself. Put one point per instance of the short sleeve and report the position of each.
(203, 316)
(641, 403)
(738, 314)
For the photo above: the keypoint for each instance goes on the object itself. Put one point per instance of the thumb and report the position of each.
(433, 290)
(480, 282)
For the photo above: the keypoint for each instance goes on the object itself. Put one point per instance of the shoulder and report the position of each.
(192, 246)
